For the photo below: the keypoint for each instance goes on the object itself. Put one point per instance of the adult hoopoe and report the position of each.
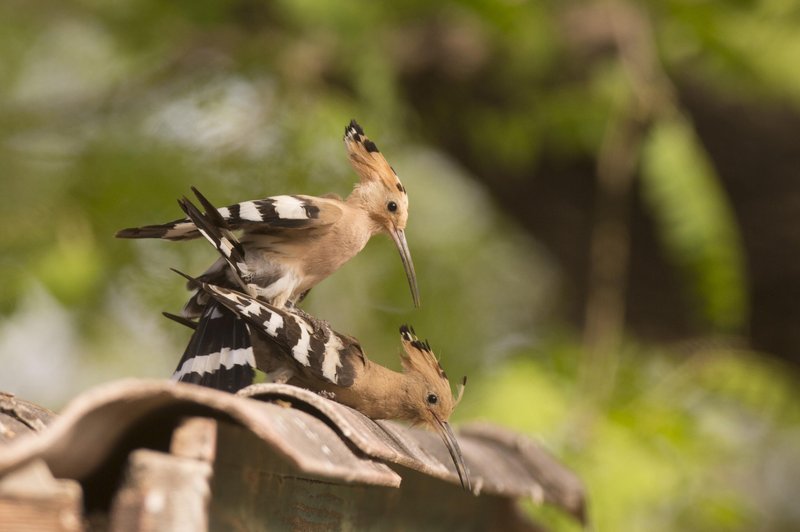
(320, 359)
(294, 242)
(288, 245)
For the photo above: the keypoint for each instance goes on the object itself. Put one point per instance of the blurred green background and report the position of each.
(604, 213)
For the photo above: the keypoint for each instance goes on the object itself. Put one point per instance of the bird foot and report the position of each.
(280, 376)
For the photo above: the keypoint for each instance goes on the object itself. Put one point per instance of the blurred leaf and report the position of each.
(695, 221)
(72, 269)
(674, 453)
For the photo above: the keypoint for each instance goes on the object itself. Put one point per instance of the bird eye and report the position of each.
(392, 206)
(432, 399)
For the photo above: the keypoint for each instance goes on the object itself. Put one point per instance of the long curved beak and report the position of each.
(399, 238)
(455, 452)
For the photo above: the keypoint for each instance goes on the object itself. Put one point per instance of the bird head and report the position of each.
(430, 398)
(382, 195)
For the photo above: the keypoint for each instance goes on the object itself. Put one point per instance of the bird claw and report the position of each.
(280, 376)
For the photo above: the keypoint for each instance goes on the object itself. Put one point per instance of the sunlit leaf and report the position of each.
(695, 221)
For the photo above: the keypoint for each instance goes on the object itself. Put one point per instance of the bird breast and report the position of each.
(288, 267)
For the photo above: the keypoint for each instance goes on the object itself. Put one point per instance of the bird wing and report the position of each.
(214, 228)
(220, 353)
(312, 343)
(273, 214)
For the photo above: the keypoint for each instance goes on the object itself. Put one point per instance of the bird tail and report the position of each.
(215, 229)
(220, 352)
(181, 229)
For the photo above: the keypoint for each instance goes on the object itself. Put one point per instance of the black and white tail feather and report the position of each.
(220, 353)
(214, 228)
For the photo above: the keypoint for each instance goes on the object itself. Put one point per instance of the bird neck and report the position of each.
(359, 199)
(380, 393)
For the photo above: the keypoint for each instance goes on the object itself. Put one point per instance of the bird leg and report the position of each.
(281, 375)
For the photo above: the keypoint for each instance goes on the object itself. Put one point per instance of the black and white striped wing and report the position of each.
(273, 214)
(312, 343)
(214, 229)
(220, 353)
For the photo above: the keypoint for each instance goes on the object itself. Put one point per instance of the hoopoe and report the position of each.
(323, 360)
(294, 242)
(288, 245)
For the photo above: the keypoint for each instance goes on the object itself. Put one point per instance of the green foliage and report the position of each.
(677, 448)
(751, 46)
(696, 224)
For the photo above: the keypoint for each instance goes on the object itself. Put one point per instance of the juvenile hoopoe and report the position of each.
(318, 358)
(288, 245)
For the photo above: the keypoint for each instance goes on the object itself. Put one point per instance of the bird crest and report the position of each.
(417, 356)
(368, 162)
